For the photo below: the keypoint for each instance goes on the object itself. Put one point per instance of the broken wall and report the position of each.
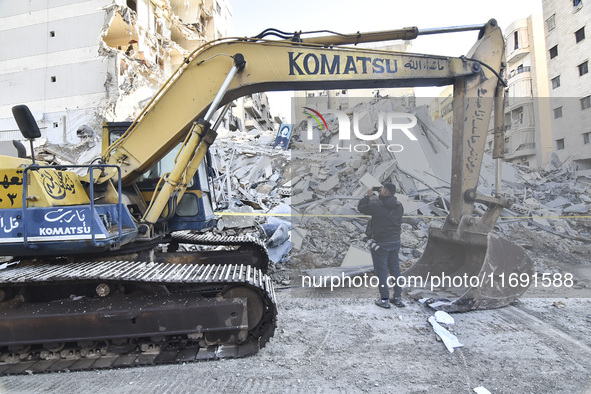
(89, 62)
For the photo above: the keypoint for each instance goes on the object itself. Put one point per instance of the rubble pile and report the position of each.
(325, 188)
(302, 202)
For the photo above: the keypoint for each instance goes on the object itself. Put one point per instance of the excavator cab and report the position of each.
(194, 210)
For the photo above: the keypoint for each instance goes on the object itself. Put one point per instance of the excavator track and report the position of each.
(258, 250)
(220, 311)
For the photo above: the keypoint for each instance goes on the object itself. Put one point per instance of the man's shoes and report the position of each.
(397, 302)
(383, 303)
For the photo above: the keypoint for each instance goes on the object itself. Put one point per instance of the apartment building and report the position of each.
(568, 52)
(77, 63)
(528, 133)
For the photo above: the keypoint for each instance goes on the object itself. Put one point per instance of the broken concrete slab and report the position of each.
(357, 257)
(369, 181)
(329, 184)
(297, 237)
(576, 208)
(302, 198)
(237, 217)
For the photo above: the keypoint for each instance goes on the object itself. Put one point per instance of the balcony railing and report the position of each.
(519, 70)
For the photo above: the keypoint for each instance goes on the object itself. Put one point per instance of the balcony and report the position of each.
(250, 124)
(517, 54)
(252, 107)
(519, 70)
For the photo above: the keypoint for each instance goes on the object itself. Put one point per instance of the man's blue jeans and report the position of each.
(385, 260)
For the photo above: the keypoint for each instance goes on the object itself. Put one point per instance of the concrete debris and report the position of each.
(357, 257)
(279, 236)
(237, 220)
(444, 318)
(449, 340)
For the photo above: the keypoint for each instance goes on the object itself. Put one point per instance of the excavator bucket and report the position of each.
(461, 276)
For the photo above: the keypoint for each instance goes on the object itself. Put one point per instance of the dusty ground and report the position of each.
(340, 342)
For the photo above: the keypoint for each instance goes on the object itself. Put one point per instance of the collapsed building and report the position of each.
(88, 62)
(303, 201)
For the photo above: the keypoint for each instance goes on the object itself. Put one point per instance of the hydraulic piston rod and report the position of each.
(192, 152)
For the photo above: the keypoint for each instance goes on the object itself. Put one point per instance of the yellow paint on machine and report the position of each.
(46, 187)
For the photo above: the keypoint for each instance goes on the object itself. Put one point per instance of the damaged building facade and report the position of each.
(79, 63)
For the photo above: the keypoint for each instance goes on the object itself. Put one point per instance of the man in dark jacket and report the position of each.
(384, 229)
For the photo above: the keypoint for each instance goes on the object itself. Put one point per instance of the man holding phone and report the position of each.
(383, 231)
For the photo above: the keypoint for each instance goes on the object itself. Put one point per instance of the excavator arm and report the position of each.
(285, 65)
(257, 65)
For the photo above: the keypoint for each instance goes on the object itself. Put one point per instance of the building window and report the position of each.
(53, 78)
(583, 68)
(550, 23)
(586, 102)
(555, 82)
(576, 3)
(516, 39)
(580, 34)
(586, 137)
(557, 112)
(560, 144)
(553, 51)
(52, 33)
(517, 116)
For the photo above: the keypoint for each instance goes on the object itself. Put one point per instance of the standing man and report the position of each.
(384, 230)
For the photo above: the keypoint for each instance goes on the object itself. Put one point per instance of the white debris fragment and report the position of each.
(481, 390)
(444, 318)
(438, 304)
(449, 340)
(6, 265)
(279, 236)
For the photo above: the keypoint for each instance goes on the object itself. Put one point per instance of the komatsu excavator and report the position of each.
(94, 276)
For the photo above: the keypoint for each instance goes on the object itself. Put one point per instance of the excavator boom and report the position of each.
(273, 66)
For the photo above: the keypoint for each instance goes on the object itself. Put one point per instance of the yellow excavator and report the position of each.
(93, 274)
